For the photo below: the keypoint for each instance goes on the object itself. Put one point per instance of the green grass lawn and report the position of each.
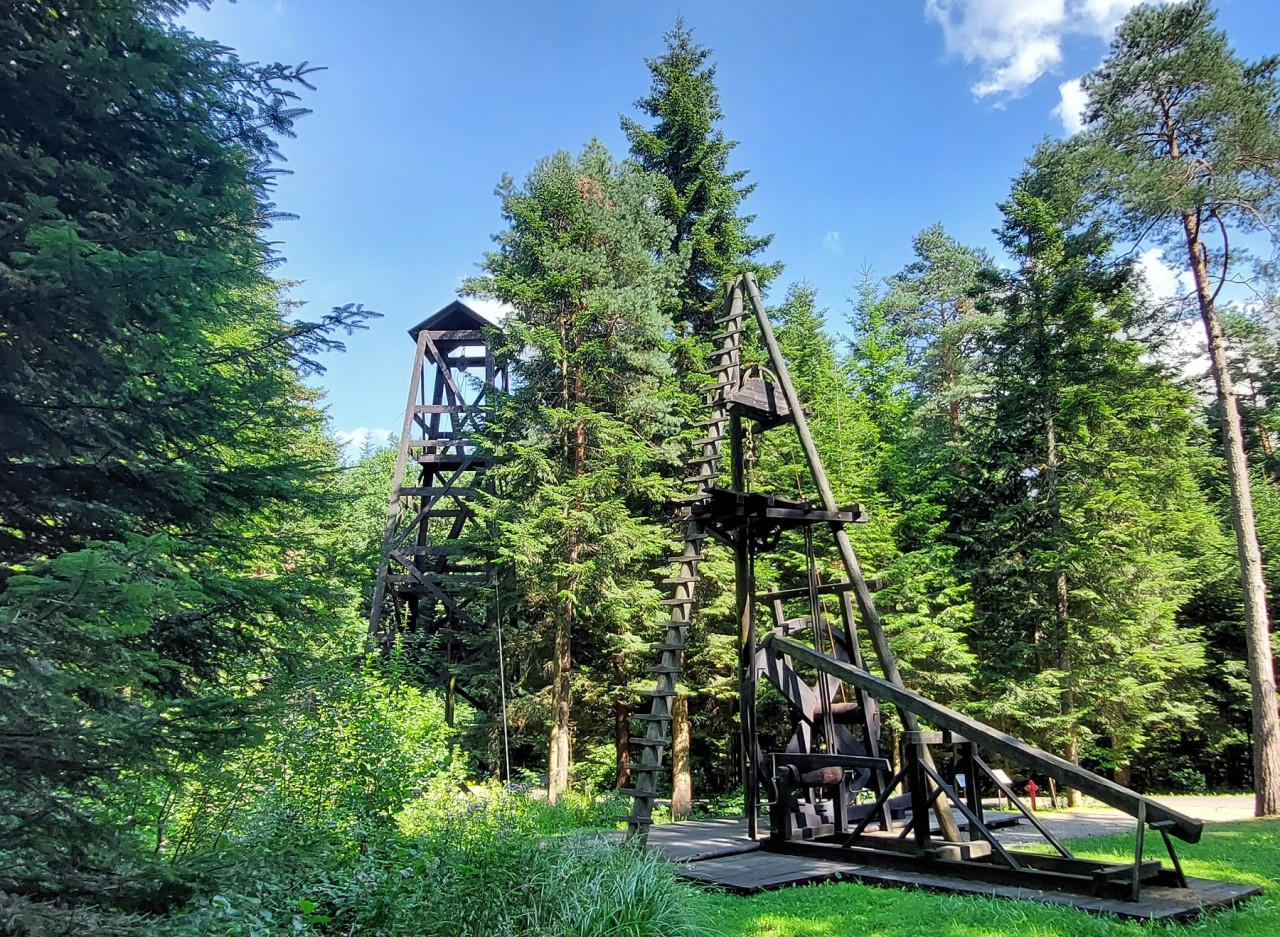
(1242, 852)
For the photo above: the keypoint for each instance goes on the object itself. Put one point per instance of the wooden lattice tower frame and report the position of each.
(427, 591)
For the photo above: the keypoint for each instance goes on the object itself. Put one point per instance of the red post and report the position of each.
(1032, 787)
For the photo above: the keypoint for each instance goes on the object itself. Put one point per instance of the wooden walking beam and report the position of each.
(1064, 772)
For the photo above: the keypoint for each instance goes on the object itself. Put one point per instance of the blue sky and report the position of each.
(860, 123)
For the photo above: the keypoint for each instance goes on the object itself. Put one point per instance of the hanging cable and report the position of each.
(502, 682)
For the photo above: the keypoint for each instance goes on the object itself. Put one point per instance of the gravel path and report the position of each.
(1101, 821)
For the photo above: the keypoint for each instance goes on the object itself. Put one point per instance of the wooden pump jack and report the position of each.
(831, 793)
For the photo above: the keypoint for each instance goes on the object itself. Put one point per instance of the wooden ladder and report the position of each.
(726, 369)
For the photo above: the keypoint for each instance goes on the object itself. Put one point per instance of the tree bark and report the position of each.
(622, 743)
(560, 744)
(681, 776)
(1062, 592)
(1262, 674)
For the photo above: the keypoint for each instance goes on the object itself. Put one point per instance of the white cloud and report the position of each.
(1017, 41)
(1105, 15)
(354, 440)
(1183, 345)
(492, 309)
(1168, 284)
(1071, 104)
(831, 241)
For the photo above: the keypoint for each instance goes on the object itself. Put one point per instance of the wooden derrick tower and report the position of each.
(429, 593)
(914, 816)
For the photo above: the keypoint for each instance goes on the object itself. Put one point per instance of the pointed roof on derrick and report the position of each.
(460, 314)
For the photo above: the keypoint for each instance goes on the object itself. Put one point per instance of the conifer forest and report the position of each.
(1067, 489)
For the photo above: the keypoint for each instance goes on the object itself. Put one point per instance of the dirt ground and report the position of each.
(1098, 820)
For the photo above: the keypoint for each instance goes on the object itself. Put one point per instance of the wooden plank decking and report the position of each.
(718, 853)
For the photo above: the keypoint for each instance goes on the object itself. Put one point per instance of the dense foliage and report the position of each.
(193, 739)
(163, 478)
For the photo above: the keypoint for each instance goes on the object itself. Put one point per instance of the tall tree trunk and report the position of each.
(622, 745)
(1262, 674)
(1067, 702)
(560, 745)
(681, 776)
(1062, 604)
(621, 726)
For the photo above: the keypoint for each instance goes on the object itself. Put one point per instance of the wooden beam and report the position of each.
(1063, 771)
(454, 335)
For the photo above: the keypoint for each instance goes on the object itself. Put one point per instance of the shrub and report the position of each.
(477, 866)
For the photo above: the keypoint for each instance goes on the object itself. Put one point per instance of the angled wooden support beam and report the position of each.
(853, 569)
(1064, 772)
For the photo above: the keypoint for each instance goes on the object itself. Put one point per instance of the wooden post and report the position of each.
(393, 509)
(913, 748)
(744, 592)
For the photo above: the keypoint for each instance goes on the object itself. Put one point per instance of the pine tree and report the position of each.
(1187, 136)
(932, 308)
(698, 194)
(930, 314)
(584, 436)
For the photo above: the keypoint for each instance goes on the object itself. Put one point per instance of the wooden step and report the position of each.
(652, 743)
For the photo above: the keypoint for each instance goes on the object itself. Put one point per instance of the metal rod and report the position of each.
(825, 691)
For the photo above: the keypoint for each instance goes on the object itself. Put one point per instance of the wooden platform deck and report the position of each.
(718, 853)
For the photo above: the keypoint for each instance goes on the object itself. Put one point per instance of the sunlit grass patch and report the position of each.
(1243, 852)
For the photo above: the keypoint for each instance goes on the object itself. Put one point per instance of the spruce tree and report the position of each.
(583, 440)
(140, 337)
(1082, 528)
(159, 441)
(698, 193)
(1187, 136)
